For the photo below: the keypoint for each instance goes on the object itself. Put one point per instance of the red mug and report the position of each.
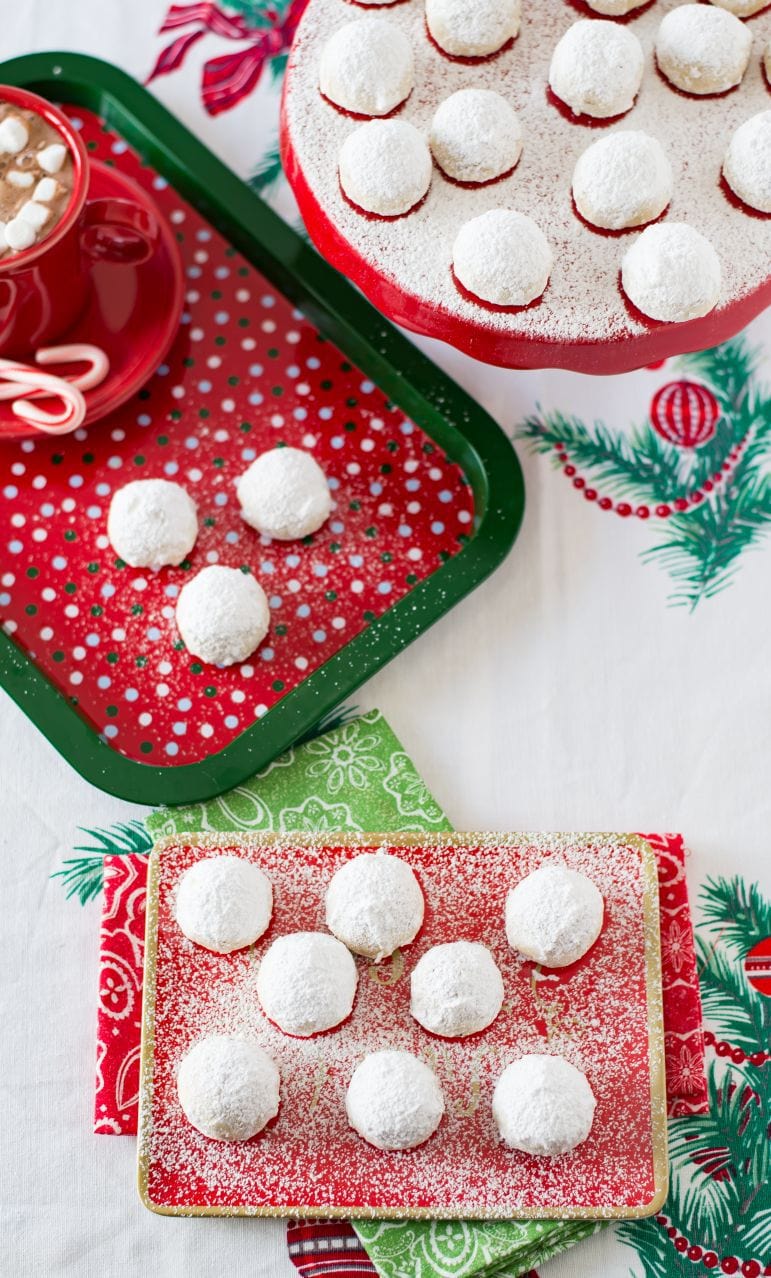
(43, 289)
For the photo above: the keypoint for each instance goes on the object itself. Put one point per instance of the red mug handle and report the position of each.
(119, 231)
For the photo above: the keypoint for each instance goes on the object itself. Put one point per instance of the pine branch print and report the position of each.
(268, 171)
(728, 999)
(737, 910)
(83, 876)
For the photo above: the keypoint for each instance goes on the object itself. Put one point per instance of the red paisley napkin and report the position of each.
(120, 989)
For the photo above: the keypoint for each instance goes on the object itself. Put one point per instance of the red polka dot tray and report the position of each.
(603, 1013)
(428, 491)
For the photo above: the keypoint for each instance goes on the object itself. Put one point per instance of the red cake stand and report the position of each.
(695, 130)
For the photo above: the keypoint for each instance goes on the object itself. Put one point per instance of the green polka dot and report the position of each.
(444, 555)
(96, 610)
(33, 572)
(112, 711)
(139, 460)
(137, 610)
(354, 505)
(428, 449)
(334, 546)
(233, 381)
(163, 440)
(211, 691)
(277, 685)
(209, 522)
(349, 426)
(140, 662)
(352, 401)
(326, 384)
(58, 656)
(143, 394)
(216, 294)
(218, 462)
(245, 427)
(120, 563)
(70, 588)
(280, 630)
(272, 352)
(57, 459)
(220, 341)
(196, 667)
(175, 415)
(331, 595)
(31, 609)
(410, 578)
(371, 531)
(386, 468)
(369, 616)
(386, 557)
(146, 747)
(93, 567)
(88, 458)
(277, 390)
(243, 322)
(70, 535)
(113, 658)
(203, 413)
(392, 446)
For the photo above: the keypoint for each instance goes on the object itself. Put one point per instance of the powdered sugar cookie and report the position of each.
(671, 273)
(596, 69)
(306, 983)
(152, 523)
(503, 258)
(747, 165)
(475, 136)
(554, 915)
(374, 904)
(543, 1105)
(223, 903)
(472, 28)
(228, 1087)
(222, 615)
(622, 180)
(394, 1100)
(456, 989)
(614, 8)
(284, 494)
(385, 167)
(701, 49)
(366, 67)
(742, 8)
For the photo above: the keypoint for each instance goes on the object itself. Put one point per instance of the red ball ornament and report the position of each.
(757, 967)
(709, 1259)
(751, 1268)
(729, 1264)
(685, 413)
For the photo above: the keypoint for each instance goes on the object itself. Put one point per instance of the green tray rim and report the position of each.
(451, 418)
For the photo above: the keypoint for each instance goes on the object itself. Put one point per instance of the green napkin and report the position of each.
(358, 777)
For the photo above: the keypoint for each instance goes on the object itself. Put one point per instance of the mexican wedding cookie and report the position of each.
(385, 167)
(366, 67)
(394, 1100)
(475, 136)
(284, 494)
(596, 69)
(671, 273)
(614, 8)
(742, 8)
(543, 1105)
(622, 180)
(152, 523)
(747, 165)
(222, 615)
(306, 983)
(374, 904)
(456, 989)
(472, 28)
(503, 258)
(701, 49)
(228, 1087)
(223, 903)
(554, 915)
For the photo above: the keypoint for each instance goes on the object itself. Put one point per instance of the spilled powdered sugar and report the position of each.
(583, 298)
(309, 1159)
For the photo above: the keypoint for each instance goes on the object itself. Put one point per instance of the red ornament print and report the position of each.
(757, 967)
(685, 413)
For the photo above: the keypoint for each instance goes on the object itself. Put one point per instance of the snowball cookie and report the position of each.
(475, 136)
(366, 67)
(223, 903)
(553, 915)
(742, 8)
(747, 165)
(596, 68)
(394, 1100)
(614, 8)
(623, 179)
(222, 615)
(502, 257)
(543, 1105)
(385, 167)
(472, 28)
(152, 523)
(701, 49)
(284, 494)
(228, 1087)
(374, 904)
(671, 273)
(306, 983)
(456, 989)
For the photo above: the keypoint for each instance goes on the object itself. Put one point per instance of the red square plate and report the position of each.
(603, 1013)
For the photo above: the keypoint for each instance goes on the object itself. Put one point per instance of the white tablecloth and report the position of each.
(565, 693)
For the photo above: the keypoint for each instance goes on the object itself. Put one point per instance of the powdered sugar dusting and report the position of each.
(309, 1160)
(583, 300)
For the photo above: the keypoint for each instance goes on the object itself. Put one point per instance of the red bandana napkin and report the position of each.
(120, 989)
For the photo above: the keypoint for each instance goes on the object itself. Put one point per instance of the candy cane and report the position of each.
(75, 353)
(20, 378)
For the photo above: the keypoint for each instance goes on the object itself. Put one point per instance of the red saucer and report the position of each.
(133, 312)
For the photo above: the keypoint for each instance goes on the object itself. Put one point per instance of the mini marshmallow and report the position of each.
(35, 215)
(14, 134)
(52, 157)
(17, 178)
(45, 189)
(19, 234)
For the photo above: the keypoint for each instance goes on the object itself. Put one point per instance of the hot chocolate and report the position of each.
(36, 179)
